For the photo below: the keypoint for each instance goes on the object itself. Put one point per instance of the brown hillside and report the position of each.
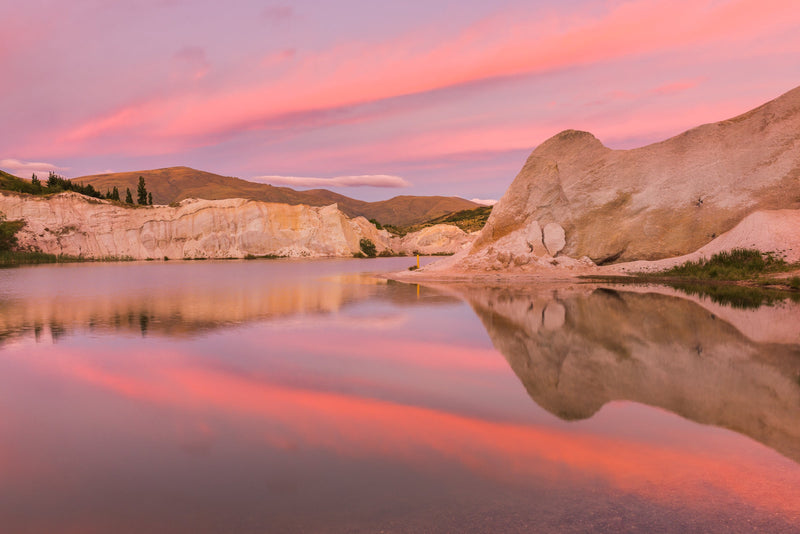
(177, 183)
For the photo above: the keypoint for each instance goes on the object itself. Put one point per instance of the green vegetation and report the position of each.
(467, 220)
(737, 264)
(54, 184)
(8, 233)
(11, 255)
(128, 196)
(368, 248)
(262, 257)
(378, 225)
(10, 258)
(737, 296)
(741, 278)
(143, 198)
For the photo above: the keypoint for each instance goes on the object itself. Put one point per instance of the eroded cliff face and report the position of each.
(576, 198)
(578, 348)
(72, 224)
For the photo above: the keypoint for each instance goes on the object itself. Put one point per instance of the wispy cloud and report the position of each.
(364, 180)
(26, 168)
(484, 201)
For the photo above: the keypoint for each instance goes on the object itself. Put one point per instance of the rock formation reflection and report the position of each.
(575, 349)
(188, 307)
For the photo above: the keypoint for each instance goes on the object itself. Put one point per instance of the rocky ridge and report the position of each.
(71, 224)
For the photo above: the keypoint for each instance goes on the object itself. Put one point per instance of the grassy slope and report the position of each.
(177, 183)
(468, 220)
(10, 182)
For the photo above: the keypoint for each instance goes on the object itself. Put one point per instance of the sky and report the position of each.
(372, 99)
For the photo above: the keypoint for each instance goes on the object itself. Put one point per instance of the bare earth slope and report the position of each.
(578, 198)
(174, 184)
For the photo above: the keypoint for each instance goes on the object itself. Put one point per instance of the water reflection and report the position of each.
(183, 308)
(577, 348)
(248, 397)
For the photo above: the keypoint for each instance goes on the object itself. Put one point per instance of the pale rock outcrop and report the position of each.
(776, 232)
(69, 223)
(659, 201)
(72, 224)
(554, 238)
(436, 239)
(535, 239)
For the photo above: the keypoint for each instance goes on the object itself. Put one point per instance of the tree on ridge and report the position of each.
(141, 193)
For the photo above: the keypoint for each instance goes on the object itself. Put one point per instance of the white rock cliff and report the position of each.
(72, 224)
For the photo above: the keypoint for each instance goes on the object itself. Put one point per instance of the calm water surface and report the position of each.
(303, 396)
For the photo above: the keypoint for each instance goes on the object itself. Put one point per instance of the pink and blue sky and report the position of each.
(418, 97)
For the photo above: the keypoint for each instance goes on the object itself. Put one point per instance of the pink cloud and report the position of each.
(355, 74)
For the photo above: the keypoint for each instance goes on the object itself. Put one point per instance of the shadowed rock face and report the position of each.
(576, 350)
(662, 200)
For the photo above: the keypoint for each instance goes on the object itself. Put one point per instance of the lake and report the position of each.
(308, 396)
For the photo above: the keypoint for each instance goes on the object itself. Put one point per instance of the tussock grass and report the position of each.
(737, 264)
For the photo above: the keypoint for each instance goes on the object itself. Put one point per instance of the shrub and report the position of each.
(368, 247)
(736, 264)
(8, 233)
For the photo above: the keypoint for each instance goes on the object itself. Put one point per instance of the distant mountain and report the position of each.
(177, 183)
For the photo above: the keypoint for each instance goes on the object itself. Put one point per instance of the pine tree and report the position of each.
(141, 193)
(128, 196)
(115, 194)
(150, 199)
